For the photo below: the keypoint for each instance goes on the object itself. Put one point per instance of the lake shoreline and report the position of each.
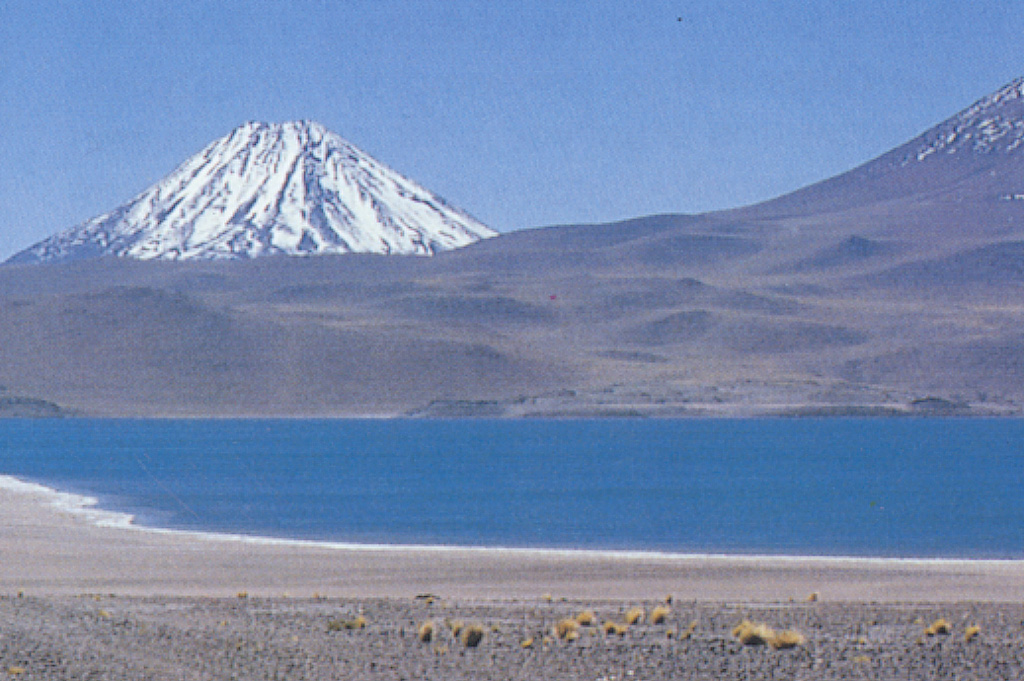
(69, 547)
(884, 489)
(89, 509)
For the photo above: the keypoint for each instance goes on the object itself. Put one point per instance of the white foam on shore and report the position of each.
(85, 508)
(67, 502)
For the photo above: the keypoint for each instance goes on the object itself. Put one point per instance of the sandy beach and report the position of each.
(84, 595)
(53, 545)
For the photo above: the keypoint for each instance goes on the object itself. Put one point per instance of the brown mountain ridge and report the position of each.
(895, 288)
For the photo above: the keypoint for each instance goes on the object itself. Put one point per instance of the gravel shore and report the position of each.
(170, 608)
(108, 637)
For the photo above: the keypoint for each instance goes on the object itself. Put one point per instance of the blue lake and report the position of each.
(913, 488)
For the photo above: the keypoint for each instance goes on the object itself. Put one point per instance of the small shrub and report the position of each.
(585, 618)
(347, 625)
(456, 626)
(525, 644)
(786, 639)
(659, 614)
(813, 598)
(756, 636)
(971, 633)
(567, 630)
(610, 628)
(752, 634)
(472, 635)
(426, 632)
(547, 598)
(634, 616)
(939, 626)
(689, 631)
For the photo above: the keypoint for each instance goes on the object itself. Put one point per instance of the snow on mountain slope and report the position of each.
(994, 123)
(976, 156)
(292, 188)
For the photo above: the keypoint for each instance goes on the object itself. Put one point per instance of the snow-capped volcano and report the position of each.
(292, 188)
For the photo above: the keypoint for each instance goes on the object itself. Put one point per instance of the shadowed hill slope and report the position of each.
(894, 288)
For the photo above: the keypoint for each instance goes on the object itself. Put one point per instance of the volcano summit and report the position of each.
(292, 188)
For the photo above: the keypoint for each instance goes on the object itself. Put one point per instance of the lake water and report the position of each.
(910, 488)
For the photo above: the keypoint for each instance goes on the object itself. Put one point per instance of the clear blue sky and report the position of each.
(525, 114)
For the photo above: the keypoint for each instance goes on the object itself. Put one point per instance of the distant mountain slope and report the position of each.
(959, 185)
(294, 188)
(977, 155)
(894, 288)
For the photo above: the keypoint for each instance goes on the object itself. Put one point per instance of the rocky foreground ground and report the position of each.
(105, 637)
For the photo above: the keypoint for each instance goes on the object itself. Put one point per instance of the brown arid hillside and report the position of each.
(896, 288)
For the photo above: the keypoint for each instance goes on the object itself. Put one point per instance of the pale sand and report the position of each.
(48, 550)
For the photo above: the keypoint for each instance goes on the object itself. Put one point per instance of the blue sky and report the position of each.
(525, 114)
